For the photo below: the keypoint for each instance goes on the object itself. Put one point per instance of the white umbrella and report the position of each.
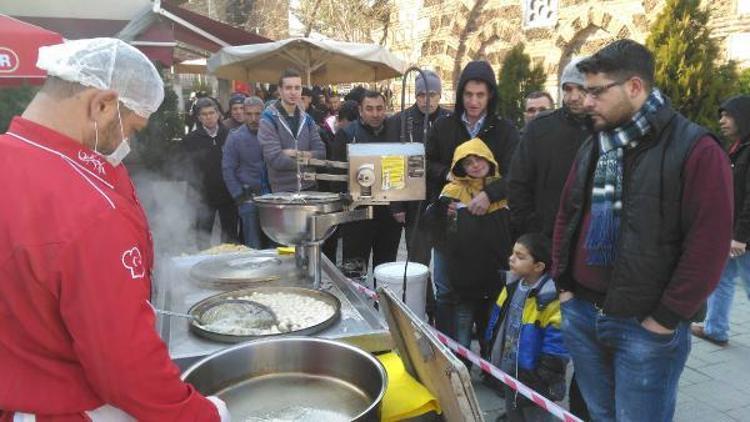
(320, 61)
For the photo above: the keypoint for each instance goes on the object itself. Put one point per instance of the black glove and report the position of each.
(551, 371)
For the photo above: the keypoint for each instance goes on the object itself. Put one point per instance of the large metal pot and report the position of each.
(293, 378)
(285, 217)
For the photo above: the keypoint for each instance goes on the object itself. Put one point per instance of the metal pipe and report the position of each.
(313, 264)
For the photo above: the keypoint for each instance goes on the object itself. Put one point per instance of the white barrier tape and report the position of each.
(490, 369)
(506, 379)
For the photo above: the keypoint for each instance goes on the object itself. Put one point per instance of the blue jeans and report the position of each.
(251, 230)
(443, 289)
(720, 302)
(625, 372)
(445, 301)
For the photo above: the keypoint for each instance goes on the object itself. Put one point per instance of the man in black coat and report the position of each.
(406, 212)
(202, 155)
(474, 117)
(543, 158)
(382, 234)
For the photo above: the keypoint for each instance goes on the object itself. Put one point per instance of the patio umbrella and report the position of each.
(320, 61)
(19, 47)
(193, 66)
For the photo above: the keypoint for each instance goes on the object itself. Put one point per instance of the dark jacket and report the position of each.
(202, 156)
(475, 246)
(654, 230)
(539, 168)
(739, 109)
(500, 135)
(242, 165)
(358, 132)
(415, 122)
(414, 133)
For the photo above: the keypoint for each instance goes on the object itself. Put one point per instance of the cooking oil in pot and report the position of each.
(294, 397)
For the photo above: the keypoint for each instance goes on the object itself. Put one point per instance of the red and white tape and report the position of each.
(364, 290)
(490, 369)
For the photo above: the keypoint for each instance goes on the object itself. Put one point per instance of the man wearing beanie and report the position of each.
(734, 119)
(540, 166)
(474, 117)
(417, 241)
(236, 112)
(543, 158)
(406, 212)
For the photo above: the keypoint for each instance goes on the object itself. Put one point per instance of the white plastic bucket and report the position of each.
(391, 274)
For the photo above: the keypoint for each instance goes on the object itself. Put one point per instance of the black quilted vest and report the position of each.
(651, 230)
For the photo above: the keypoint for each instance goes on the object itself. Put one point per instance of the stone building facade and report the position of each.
(445, 34)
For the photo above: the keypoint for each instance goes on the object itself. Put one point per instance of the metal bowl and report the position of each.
(293, 378)
(198, 309)
(284, 217)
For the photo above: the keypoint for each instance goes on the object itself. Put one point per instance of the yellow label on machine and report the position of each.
(393, 169)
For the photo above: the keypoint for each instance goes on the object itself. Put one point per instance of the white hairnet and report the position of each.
(107, 63)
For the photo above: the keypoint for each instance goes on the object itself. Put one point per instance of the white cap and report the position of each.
(107, 63)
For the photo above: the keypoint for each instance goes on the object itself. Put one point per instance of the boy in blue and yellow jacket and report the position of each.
(524, 329)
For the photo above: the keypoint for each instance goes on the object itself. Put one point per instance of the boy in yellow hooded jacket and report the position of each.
(476, 247)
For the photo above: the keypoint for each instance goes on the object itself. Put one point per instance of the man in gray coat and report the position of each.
(287, 131)
(245, 172)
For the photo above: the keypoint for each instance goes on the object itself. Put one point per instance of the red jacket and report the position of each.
(76, 255)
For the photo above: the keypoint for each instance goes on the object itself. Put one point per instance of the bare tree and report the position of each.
(470, 27)
(355, 21)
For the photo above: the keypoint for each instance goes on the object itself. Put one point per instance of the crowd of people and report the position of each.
(582, 236)
(594, 235)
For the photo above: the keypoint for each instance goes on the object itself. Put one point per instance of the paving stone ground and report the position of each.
(714, 387)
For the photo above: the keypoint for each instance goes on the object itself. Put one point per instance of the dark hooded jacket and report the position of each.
(739, 109)
(447, 133)
(476, 247)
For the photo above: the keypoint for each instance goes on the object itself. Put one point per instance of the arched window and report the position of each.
(539, 13)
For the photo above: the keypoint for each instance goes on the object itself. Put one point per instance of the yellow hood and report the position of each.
(462, 187)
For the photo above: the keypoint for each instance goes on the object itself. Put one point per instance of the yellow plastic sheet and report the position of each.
(404, 397)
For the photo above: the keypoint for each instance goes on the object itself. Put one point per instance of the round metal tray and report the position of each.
(198, 309)
(298, 198)
(244, 269)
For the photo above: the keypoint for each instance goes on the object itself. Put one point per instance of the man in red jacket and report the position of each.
(77, 341)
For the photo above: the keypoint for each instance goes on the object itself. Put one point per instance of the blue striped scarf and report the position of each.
(606, 195)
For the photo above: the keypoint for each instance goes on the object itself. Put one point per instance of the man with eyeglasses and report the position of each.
(537, 102)
(641, 237)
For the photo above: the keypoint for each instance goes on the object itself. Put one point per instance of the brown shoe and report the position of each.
(699, 332)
